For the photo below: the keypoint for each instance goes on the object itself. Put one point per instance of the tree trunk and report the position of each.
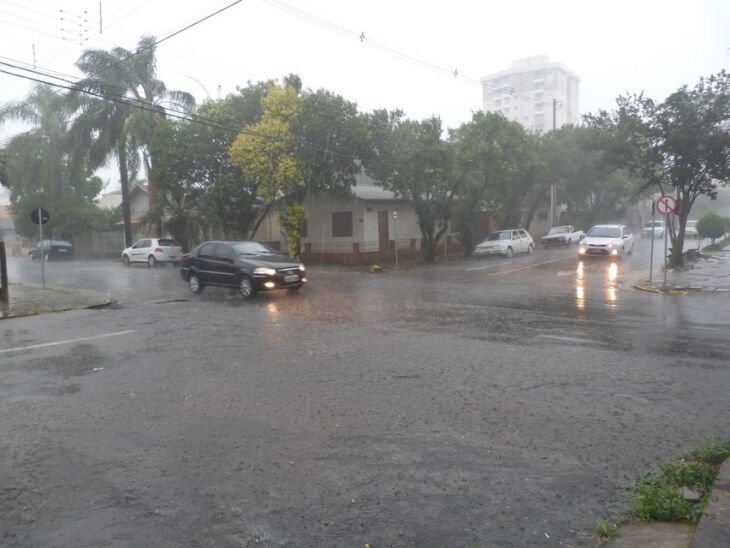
(124, 179)
(676, 258)
(533, 209)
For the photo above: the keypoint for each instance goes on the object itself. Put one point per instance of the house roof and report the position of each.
(372, 193)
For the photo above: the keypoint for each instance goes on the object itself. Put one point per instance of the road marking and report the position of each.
(68, 341)
(529, 266)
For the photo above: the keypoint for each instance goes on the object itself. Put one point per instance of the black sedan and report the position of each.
(52, 249)
(248, 266)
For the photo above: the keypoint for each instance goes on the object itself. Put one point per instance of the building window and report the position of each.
(342, 224)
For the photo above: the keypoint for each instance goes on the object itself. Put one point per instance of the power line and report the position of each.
(363, 38)
(147, 48)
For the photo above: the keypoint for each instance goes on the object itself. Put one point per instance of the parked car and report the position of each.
(249, 266)
(562, 235)
(153, 251)
(52, 249)
(690, 230)
(607, 241)
(658, 229)
(506, 242)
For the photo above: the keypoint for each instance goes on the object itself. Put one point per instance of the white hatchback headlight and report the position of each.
(265, 271)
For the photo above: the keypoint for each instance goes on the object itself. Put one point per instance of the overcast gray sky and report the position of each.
(617, 46)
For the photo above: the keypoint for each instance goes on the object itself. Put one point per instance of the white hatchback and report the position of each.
(153, 251)
(507, 243)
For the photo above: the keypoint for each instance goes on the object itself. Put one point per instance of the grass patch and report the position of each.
(658, 496)
(717, 246)
(605, 530)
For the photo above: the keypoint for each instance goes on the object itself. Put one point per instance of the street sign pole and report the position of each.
(651, 252)
(4, 291)
(666, 230)
(40, 245)
(395, 236)
(666, 206)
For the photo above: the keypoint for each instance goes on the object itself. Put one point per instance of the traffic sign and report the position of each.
(39, 216)
(666, 205)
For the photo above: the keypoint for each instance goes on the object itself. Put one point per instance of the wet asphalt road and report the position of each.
(489, 402)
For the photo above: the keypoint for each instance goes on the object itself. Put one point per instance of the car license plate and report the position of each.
(62, 250)
(291, 278)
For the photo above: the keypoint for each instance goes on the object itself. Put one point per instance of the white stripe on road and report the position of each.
(68, 341)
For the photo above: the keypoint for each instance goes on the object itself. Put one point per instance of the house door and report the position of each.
(383, 236)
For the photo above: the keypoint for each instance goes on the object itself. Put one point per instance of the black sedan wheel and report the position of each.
(246, 289)
(194, 284)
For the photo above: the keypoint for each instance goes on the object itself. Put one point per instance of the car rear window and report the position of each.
(169, 243)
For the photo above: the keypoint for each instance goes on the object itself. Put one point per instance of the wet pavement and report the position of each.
(494, 402)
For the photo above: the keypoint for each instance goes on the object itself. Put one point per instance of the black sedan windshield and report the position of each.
(252, 248)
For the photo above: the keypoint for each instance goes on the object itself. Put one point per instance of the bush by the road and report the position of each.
(711, 225)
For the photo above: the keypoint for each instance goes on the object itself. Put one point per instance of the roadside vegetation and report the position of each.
(677, 492)
(214, 170)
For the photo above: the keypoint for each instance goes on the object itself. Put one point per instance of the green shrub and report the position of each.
(711, 225)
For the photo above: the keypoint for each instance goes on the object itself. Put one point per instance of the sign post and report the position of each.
(666, 205)
(651, 251)
(40, 217)
(395, 236)
(4, 292)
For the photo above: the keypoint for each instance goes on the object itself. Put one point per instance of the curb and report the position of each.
(643, 285)
(713, 529)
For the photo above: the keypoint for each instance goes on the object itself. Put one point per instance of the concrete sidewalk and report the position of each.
(29, 300)
(711, 274)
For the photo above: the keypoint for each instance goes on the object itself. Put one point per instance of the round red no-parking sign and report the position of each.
(666, 205)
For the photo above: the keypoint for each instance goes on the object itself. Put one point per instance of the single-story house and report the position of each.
(361, 228)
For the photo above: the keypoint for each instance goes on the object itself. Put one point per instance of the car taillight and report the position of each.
(158, 250)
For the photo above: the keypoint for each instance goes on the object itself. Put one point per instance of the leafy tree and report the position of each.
(711, 225)
(411, 159)
(292, 221)
(201, 191)
(592, 186)
(502, 167)
(330, 137)
(680, 145)
(265, 150)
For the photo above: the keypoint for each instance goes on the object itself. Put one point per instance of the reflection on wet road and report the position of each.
(529, 298)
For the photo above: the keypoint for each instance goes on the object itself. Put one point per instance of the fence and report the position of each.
(356, 253)
(99, 244)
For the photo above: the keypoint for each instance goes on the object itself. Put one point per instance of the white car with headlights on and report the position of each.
(607, 241)
(507, 243)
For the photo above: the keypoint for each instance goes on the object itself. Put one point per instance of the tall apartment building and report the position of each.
(524, 93)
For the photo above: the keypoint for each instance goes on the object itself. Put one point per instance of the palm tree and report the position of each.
(124, 124)
(41, 153)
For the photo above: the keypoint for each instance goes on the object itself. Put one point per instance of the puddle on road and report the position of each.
(80, 360)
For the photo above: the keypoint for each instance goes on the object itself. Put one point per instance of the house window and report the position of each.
(342, 224)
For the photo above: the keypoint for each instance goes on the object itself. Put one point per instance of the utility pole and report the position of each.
(552, 185)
